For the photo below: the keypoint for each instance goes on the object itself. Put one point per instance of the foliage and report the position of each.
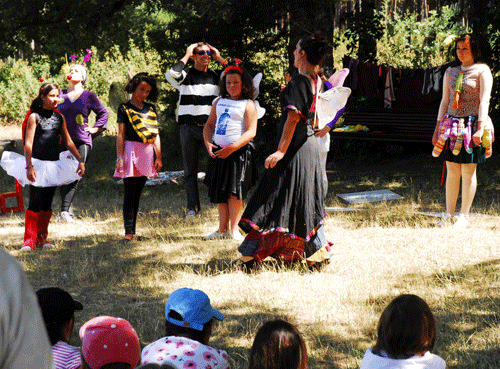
(359, 40)
(19, 82)
(18, 87)
(407, 43)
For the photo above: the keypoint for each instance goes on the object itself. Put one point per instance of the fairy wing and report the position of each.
(329, 103)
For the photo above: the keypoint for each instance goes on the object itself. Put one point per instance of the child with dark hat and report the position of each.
(58, 310)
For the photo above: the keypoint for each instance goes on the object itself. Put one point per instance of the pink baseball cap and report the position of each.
(108, 340)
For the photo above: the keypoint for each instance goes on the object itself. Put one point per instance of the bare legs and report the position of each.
(230, 212)
(469, 184)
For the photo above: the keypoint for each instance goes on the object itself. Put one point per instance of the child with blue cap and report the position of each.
(188, 326)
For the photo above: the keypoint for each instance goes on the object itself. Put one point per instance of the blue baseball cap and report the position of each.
(194, 307)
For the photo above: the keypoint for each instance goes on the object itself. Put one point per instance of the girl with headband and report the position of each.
(228, 135)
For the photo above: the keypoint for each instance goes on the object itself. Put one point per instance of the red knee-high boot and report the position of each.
(43, 229)
(30, 230)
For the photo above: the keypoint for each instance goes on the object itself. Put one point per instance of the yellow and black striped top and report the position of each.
(144, 124)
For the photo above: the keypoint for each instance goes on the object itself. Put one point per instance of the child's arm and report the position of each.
(157, 147)
(120, 145)
(28, 146)
(443, 107)
(71, 147)
(209, 129)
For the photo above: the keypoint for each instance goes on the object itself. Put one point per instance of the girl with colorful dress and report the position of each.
(76, 105)
(45, 166)
(228, 135)
(464, 108)
(137, 145)
(284, 217)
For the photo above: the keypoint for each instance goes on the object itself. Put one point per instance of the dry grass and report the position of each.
(380, 252)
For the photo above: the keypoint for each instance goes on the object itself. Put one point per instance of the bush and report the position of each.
(407, 43)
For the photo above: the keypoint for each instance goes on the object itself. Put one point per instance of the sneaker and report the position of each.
(190, 214)
(217, 235)
(26, 248)
(65, 217)
(237, 236)
(445, 220)
(462, 221)
(47, 245)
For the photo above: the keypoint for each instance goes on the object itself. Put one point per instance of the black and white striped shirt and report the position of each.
(198, 89)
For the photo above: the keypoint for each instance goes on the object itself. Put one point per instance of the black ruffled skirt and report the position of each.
(235, 175)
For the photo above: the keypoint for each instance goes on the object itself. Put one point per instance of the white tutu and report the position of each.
(48, 173)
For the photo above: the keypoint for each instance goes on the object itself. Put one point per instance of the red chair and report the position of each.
(18, 194)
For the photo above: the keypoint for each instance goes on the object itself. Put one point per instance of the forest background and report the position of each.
(131, 36)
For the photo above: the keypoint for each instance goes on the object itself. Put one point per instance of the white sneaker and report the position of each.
(47, 245)
(445, 220)
(237, 236)
(217, 235)
(190, 214)
(26, 248)
(462, 221)
(65, 217)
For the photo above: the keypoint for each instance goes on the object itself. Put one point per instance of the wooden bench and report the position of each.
(390, 125)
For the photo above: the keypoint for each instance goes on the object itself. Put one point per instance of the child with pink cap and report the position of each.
(109, 342)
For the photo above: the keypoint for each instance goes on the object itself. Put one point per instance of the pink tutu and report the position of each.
(138, 160)
(48, 173)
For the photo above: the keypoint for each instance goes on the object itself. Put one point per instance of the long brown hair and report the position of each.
(247, 88)
(278, 345)
(475, 49)
(406, 328)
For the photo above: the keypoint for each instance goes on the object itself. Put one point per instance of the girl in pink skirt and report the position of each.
(137, 144)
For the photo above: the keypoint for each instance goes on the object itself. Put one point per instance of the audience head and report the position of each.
(58, 311)
(278, 345)
(316, 48)
(136, 80)
(109, 343)
(247, 88)
(189, 314)
(406, 328)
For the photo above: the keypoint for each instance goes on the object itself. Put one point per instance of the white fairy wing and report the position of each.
(256, 83)
(260, 110)
(329, 103)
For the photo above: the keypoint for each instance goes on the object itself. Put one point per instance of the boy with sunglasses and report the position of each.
(198, 87)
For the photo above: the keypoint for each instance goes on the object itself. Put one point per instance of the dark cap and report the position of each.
(57, 305)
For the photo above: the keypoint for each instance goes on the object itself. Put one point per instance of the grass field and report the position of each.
(380, 251)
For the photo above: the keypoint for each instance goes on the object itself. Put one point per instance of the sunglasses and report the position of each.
(202, 52)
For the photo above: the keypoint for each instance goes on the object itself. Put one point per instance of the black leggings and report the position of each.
(68, 191)
(41, 198)
(132, 195)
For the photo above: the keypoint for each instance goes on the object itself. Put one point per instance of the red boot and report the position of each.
(43, 230)
(30, 230)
